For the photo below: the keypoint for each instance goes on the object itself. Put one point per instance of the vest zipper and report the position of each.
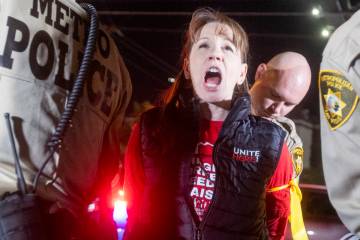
(207, 213)
(198, 234)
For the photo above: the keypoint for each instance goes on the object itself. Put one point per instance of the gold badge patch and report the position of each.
(298, 158)
(338, 97)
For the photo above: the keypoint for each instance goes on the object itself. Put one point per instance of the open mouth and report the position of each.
(212, 78)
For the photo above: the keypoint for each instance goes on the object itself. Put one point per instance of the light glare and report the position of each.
(310, 233)
(315, 11)
(91, 207)
(120, 214)
(325, 33)
(121, 193)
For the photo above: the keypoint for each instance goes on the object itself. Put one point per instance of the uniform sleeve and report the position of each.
(134, 174)
(111, 157)
(340, 132)
(294, 144)
(278, 202)
(354, 73)
(117, 123)
(340, 155)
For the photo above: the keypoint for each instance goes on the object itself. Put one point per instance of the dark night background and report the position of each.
(151, 34)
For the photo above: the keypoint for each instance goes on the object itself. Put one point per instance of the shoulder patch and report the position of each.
(298, 159)
(338, 97)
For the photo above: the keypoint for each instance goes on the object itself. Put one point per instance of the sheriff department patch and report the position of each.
(338, 97)
(298, 157)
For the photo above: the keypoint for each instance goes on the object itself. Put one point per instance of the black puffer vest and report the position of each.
(246, 154)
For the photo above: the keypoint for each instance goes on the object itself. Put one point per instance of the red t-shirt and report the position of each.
(277, 203)
(203, 168)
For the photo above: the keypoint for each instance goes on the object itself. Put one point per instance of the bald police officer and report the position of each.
(280, 85)
(339, 86)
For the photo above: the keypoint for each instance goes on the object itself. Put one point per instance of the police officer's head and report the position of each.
(280, 84)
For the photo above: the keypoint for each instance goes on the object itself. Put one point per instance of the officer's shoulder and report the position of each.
(346, 34)
(286, 123)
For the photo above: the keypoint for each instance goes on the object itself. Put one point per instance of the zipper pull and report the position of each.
(198, 234)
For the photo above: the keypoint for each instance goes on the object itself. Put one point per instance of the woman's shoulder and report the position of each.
(151, 116)
(152, 112)
(268, 124)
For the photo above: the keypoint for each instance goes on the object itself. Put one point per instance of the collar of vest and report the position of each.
(240, 109)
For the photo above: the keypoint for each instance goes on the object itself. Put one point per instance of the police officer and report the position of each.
(280, 85)
(339, 86)
(41, 47)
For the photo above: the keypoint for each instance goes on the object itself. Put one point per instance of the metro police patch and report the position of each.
(337, 96)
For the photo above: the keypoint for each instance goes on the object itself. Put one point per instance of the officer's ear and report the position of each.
(260, 71)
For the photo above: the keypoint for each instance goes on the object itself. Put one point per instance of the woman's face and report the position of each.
(215, 64)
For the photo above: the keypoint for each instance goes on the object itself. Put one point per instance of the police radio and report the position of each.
(21, 213)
